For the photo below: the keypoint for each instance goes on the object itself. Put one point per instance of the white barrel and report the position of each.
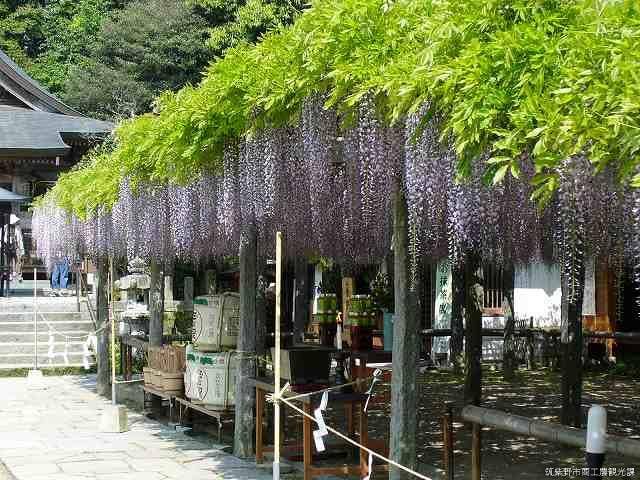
(216, 322)
(191, 373)
(217, 377)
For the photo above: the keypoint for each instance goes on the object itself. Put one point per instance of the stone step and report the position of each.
(28, 316)
(42, 303)
(20, 349)
(52, 325)
(28, 360)
(43, 366)
(43, 336)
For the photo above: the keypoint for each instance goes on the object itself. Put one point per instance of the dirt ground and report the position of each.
(505, 456)
(535, 394)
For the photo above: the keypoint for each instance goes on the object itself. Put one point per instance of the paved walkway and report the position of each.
(52, 435)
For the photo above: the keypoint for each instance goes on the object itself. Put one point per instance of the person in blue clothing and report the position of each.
(60, 274)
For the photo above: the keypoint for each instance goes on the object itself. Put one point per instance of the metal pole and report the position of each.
(35, 318)
(113, 334)
(78, 278)
(276, 374)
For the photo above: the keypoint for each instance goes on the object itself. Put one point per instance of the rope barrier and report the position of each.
(67, 337)
(329, 389)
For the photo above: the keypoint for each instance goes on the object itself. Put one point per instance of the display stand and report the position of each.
(221, 415)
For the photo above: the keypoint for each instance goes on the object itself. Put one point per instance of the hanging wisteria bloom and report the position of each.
(373, 154)
(55, 232)
(324, 167)
(428, 180)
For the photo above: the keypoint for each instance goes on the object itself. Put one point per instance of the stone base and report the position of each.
(35, 380)
(114, 419)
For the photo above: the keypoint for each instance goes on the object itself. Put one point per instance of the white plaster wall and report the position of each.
(537, 294)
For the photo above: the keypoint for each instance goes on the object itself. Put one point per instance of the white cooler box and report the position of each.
(216, 322)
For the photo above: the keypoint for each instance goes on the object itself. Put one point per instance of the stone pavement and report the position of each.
(52, 435)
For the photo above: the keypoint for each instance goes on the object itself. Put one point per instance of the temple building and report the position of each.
(40, 137)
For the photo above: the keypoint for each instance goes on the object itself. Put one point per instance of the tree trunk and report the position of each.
(261, 314)
(155, 305)
(474, 280)
(301, 299)
(571, 349)
(456, 344)
(245, 393)
(509, 362)
(406, 345)
(103, 381)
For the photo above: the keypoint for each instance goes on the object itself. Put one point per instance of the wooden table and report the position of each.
(359, 361)
(185, 405)
(349, 400)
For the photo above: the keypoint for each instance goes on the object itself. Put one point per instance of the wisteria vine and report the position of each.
(329, 188)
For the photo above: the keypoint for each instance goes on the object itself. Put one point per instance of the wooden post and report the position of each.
(474, 280)
(167, 288)
(571, 346)
(406, 348)
(103, 381)
(245, 393)
(509, 363)
(155, 305)
(188, 294)
(301, 299)
(457, 317)
(307, 452)
(276, 405)
(260, 398)
(447, 440)
(531, 353)
(476, 450)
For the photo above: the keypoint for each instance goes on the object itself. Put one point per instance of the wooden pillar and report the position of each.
(447, 441)
(103, 381)
(476, 452)
(457, 317)
(474, 280)
(406, 347)
(245, 393)
(155, 304)
(509, 362)
(188, 293)
(571, 345)
(301, 299)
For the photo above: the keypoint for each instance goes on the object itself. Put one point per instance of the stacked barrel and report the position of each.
(165, 370)
(362, 316)
(211, 360)
(326, 317)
